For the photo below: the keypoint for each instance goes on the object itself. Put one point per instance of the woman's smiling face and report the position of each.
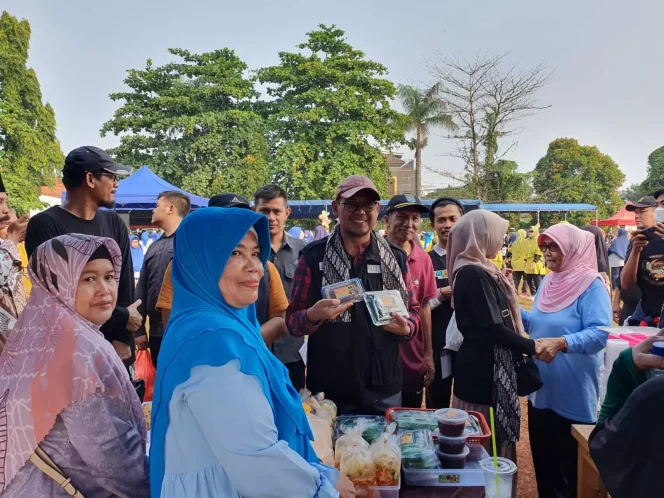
(243, 272)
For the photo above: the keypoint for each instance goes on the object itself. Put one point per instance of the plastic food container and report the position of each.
(418, 450)
(451, 421)
(501, 487)
(451, 445)
(453, 461)
(378, 491)
(471, 476)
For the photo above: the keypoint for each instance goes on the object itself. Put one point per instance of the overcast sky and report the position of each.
(607, 88)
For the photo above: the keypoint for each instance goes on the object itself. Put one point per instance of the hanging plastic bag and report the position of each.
(386, 455)
(453, 338)
(144, 369)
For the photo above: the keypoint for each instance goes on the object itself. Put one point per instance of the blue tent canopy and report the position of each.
(141, 191)
(311, 209)
(533, 208)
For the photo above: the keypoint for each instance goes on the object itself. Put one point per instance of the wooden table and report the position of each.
(589, 484)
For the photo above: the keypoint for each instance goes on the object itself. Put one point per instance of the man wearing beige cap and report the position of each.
(352, 361)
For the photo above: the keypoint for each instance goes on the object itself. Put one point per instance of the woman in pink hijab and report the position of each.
(570, 305)
(63, 389)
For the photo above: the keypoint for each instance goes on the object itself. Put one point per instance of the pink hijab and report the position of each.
(54, 357)
(563, 287)
(475, 240)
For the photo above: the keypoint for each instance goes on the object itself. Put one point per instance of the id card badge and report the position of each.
(445, 364)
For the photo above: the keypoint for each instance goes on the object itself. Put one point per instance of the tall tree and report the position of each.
(574, 173)
(30, 153)
(191, 121)
(330, 115)
(486, 97)
(424, 111)
(655, 175)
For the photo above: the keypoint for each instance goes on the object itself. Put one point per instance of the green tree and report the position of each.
(655, 174)
(633, 192)
(192, 122)
(424, 111)
(574, 173)
(30, 153)
(330, 116)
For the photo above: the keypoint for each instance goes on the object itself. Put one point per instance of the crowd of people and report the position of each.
(224, 297)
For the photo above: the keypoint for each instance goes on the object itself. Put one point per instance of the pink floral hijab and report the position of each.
(564, 286)
(54, 357)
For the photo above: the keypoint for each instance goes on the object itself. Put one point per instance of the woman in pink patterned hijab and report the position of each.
(63, 387)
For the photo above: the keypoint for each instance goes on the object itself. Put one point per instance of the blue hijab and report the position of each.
(295, 232)
(619, 246)
(137, 255)
(205, 330)
(145, 236)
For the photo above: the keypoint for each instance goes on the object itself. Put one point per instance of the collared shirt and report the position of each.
(285, 259)
(425, 289)
(437, 300)
(287, 348)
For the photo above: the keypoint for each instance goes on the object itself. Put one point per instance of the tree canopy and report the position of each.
(330, 116)
(192, 122)
(30, 153)
(574, 173)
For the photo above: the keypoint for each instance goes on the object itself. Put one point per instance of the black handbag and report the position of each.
(528, 378)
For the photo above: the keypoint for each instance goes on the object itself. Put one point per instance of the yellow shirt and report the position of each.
(277, 301)
(498, 260)
(24, 268)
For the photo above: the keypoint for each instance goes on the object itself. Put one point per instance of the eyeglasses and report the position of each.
(115, 178)
(367, 207)
(550, 247)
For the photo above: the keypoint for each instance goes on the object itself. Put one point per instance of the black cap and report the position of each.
(403, 201)
(228, 200)
(91, 159)
(646, 202)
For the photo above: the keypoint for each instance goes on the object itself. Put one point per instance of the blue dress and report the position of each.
(571, 380)
(222, 442)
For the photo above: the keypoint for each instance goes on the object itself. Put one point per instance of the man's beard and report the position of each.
(107, 204)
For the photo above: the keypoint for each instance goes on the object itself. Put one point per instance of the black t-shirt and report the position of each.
(441, 316)
(480, 305)
(650, 276)
(56, 221)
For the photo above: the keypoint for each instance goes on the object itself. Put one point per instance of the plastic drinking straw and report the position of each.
(495, 453)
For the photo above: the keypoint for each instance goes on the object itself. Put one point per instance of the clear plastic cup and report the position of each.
(505, 472)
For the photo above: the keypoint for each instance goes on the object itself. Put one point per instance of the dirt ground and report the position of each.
(527, 485)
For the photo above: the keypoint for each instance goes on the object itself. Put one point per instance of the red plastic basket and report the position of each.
(486, 431)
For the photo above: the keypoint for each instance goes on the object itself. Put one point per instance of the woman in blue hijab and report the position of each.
(296, 232)
(226, 421)
(137, 255)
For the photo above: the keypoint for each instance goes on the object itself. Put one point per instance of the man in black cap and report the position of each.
(91, 177)
(12, 290)
(644, 264)
(445, 213)
(403, 218)
(272, 302)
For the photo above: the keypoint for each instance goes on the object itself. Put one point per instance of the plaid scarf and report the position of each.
(337, 265)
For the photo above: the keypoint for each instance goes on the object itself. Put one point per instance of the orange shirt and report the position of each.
(277, 301)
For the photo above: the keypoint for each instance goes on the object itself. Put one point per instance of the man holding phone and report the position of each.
(644, 263)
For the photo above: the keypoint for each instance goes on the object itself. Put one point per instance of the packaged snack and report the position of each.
(346, 291)
(381, 305)
(451, 421)
(330, 407)
(418, 450)
(147, 411)
(373, 428)
(410, 420)
(358, 466)
(352, 436)
(386, 456)
(472, 426)
(322, 443)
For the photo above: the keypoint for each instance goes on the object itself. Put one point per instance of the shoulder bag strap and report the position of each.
(44, 463)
